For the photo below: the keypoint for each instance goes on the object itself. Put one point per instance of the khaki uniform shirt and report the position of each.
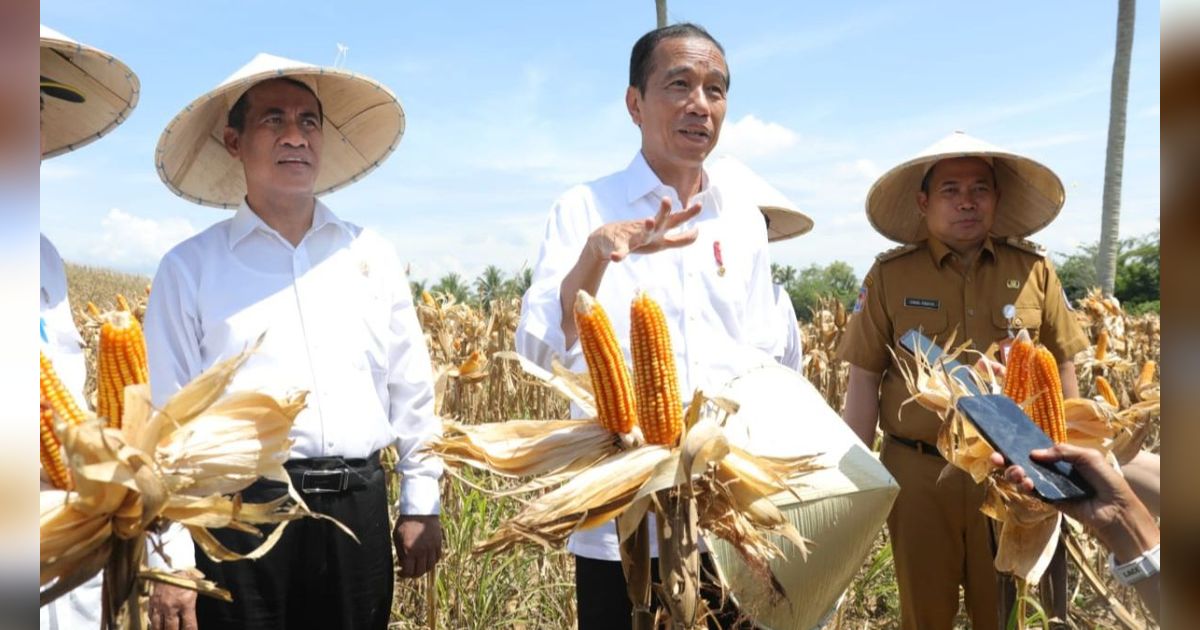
(920, 286)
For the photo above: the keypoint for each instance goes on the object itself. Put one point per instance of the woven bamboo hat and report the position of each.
(363, 124)
(1031, 195)
(784, 221)
(91, 92)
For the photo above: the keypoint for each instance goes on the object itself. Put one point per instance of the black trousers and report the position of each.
(316, 576)
(603, 603)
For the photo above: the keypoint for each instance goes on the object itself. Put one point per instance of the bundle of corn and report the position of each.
(820, 340)
(1029, 528)
(637, 452)
(184, 463)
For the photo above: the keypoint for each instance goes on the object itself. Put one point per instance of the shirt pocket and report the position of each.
(1028, 316)
(930, 322)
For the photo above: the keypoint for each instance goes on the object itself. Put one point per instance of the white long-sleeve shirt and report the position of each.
(721, 323)
(339, 321)
(791, 353)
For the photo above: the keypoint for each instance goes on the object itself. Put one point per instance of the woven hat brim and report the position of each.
(1031, 196)
(110, 90)
(364, 122)
(785, 223)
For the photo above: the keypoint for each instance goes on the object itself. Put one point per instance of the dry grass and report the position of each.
(528, 589)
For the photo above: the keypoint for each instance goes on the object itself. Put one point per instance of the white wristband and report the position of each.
(1137, 569)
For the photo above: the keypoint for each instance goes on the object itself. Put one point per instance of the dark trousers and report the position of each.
(603, 603)
(316, 576)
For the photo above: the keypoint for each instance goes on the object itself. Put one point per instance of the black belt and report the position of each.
(319, 475)
(924, 448)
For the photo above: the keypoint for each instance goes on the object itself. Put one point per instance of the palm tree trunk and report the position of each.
(660, 7)
(1110, 222)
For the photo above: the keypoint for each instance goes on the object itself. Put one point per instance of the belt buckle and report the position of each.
(318, 478)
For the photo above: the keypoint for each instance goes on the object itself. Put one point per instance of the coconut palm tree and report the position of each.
(452, 284)
(1110, 220)
(490, 285)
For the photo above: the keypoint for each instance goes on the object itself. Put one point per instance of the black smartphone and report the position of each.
(915, 342)
(1010, 431)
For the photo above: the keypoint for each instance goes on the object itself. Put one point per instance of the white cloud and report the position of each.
(137, 243)
(751, 137)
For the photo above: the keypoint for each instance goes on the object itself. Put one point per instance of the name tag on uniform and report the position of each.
(922, 303)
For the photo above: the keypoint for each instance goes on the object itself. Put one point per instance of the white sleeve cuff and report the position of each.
(420, 495)
(176, 544)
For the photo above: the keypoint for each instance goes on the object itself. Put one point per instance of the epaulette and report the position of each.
(897, 252)
(1024, 245)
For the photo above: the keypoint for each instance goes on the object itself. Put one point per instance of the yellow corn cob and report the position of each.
(1102, 344)
(1046, 408)
(1016, 379)
(428, 299)
(51, 452)
(660, 412)
(122, 362)
(1146, 377)
(56, 396)
(615, 407)
(1106, 391)
(122, 303)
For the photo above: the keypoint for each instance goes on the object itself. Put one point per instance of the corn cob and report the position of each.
(122, 303)
(1102, 344)
(660, 412)
(51, 452)
(1046, 408)
(55, 400)
(1106, 391)
(615, 407)
(122, 362)
(1016, 380)
(1146, 377)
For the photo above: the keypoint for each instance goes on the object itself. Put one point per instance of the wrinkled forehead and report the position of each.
(283, 91)
(687, 51)
(971, 166)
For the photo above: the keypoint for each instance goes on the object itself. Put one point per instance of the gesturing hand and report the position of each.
(612, 242)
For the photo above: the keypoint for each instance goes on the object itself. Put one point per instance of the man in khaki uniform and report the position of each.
(961, 208)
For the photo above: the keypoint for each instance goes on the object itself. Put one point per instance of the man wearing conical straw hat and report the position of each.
(961, 208)
(784, 222)
(85, 93)
(333, 307)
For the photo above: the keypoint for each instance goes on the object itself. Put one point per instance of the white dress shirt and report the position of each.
(792, 353)
(721, 323)
(62, 344)
(339, 321)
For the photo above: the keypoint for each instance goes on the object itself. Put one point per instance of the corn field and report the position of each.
(529, 588)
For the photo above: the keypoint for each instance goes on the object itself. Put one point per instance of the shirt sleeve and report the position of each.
(1060, 332)
(868, 332)
(173, 355)
(410, 392)
(539, 335)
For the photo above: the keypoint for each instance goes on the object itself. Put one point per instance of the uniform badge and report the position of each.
(928, 303)
(1013, 284)
(720, 260)
(862, 299)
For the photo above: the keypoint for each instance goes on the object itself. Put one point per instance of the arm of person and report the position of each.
(1142, 473)
(1118, 518)
(173, 355)
(612, 243)
(418, 532)
(862, 403)
(1061, 333)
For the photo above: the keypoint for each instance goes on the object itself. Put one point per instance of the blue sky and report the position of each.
(508, 104)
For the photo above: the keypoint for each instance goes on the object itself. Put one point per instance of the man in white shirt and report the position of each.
(85, 93)
(337, 313)
(706, 265)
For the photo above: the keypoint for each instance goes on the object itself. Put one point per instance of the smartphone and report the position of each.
(1009, 430)
(915, 342)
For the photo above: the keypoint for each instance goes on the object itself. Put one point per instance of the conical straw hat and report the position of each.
(784, 220)
(363, 124)
(108, 87)
(1031, 195)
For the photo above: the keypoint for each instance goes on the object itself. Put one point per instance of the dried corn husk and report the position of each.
(179, 464)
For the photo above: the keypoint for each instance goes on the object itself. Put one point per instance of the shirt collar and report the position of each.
(245, 221)
(640, 180)
(938, 250)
